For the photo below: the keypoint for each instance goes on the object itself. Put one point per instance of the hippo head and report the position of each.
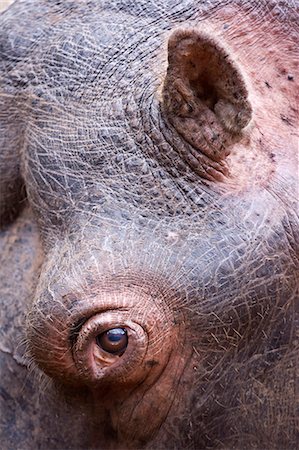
(158, 157)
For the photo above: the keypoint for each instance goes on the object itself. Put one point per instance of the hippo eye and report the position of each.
(113, 341)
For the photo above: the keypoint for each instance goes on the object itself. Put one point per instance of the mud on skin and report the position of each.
(149, 235)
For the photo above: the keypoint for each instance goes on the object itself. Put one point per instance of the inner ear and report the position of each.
(204, 93)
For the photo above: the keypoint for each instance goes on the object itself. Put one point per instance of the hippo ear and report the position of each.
(204, 94)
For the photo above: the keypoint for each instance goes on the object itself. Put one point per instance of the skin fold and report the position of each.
(149, 184)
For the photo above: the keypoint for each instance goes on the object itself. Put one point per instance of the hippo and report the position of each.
(149, 227)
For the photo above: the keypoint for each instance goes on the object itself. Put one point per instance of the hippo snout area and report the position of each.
(117, 343)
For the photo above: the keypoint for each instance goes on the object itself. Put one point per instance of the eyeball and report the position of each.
(110, 349)
(113, 341)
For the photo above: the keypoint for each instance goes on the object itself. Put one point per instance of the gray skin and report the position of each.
(118, 210)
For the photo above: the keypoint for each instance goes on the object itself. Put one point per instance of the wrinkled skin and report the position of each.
(149, 182)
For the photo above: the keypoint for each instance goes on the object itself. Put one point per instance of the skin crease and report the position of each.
(127, 222)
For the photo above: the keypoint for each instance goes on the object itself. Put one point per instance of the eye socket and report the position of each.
(113, 341)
